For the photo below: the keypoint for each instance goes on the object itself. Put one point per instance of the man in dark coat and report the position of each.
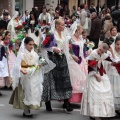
(4, 22)
(92, 9)
(96, 26)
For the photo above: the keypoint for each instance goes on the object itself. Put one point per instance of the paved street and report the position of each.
(8, 113)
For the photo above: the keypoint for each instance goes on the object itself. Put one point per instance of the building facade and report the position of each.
(22, 5)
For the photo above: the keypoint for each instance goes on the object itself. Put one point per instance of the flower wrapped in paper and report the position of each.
(89, 45)
(6, 44)
(42, 61)
(20, 28)
(68, 22)
(49, 40)
(44, 23)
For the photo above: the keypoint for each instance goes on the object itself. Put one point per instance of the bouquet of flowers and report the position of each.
(24, 23)
(6, 44)
(20, 28)
(92, 63)
(89, 45)
(44, 23)
(42, 61)
(60, 53)
(46, 41)
(68, 22)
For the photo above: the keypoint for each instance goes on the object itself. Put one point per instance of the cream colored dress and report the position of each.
(11, 27)
(97, 98)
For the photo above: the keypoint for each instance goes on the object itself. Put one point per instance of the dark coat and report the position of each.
(2, 52)
(92, 10)
(116, 16)
(4, 24)
(96, 27)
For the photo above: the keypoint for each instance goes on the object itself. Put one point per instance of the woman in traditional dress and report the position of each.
(114, 75)
(33, 32)
(27, 79)
(57, 85)
(3, 62)
(114, 34)
(78, 50)
(97, 98)
(14, 22)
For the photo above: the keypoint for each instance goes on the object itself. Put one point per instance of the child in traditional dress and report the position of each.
(10, 57)
(97, 98)
(27, 79)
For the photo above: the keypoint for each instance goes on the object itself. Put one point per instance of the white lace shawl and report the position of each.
(15, 72)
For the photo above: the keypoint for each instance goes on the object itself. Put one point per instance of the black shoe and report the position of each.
(91, 118)
(29, 116)
(10, 88)
(0, 94)
(117, 112)
(5, 88)
(48, 106)
(67, 107)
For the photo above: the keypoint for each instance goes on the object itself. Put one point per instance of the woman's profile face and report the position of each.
(8, 36)
(18, 17)
(117, 46)
(30, 46)
(84, 36)
(80, 31)
(61, 26)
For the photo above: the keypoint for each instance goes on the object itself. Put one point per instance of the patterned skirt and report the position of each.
(17, 97)
(57, 85)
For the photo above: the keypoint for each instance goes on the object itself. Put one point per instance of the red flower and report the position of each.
(10, 47)
(92, 63)
(6, 42)
(71, 22)
(46, 41)
(48, 24)
(44, 21)
(40, 23)
(19, 27)
(24, 23)
(44, 24)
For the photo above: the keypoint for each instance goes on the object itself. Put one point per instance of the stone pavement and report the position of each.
(8, 113)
